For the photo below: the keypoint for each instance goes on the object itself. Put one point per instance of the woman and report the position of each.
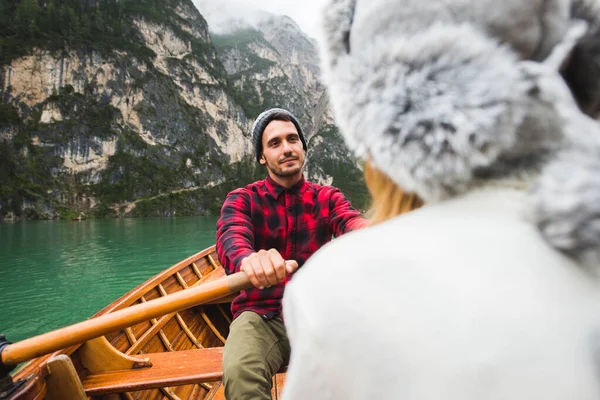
(491, 290)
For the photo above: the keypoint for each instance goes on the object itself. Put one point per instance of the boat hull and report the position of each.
(175, 356)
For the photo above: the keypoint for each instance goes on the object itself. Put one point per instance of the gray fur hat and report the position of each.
(263, 120)
(446, 95)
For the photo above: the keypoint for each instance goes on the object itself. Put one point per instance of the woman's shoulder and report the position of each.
(453, 243)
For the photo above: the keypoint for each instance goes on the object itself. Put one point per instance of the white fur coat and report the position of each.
(404, 310)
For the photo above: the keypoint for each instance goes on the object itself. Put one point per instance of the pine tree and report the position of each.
(74, 28)
(64, 21)
(98, 24)
(26, 18)
(52, 19)
(86, 27)
(4, 17)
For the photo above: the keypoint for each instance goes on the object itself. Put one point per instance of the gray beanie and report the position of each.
(261, 123)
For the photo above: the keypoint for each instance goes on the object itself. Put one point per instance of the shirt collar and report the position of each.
(276, 189)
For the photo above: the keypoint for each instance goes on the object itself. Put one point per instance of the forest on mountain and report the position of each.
(131, 108)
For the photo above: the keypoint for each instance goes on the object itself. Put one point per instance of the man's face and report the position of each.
(283, 153)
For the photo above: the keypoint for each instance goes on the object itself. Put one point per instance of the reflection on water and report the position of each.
(55, 273)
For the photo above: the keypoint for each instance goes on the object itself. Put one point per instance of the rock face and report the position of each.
(159, 125)
(276, 64)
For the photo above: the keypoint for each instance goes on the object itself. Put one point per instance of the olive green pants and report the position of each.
(255, 350)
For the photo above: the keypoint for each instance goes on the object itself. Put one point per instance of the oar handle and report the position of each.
(238, 282)
(12, 354)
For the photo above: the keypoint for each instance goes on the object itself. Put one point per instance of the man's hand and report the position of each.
(267, 268)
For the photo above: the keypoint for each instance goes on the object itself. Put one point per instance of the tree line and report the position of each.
(58, 24)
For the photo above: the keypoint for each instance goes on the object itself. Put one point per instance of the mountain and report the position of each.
(276, 64)
(133, 108)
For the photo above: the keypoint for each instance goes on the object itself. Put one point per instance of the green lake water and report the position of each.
(55, 273)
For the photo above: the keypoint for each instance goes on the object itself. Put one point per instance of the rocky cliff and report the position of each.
(134, 109)
(276, 64)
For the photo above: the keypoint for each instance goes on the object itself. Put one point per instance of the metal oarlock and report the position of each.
(6, 383)
(7, 386)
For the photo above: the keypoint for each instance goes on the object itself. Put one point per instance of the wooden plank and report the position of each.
(188, 275)
(212, 261)
(98, 355)
(169, 393)
(204, 265)
(62, 380)
(161, 333)
(138, 330)
(168, 369)
(162, 290)
(212, 327)
(189, 392)
(165, 340)
(188, 332)
(214, 391)
(172, 285)
(181, 280)
(224, 314)
(219, 394)
(196, 270)
(150, 333)
(115, 396)
(130, 335)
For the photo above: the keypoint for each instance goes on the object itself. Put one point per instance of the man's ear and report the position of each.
(262, 159)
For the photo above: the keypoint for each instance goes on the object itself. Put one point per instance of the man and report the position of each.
(268, 229)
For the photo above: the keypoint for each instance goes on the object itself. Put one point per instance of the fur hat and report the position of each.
(446, 95)
(261, 123)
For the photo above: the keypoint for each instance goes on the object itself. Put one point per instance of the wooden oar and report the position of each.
(46, 343)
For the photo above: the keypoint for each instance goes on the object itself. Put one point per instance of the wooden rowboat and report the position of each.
(176, 355)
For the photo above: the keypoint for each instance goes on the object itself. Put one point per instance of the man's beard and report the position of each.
(280, 172)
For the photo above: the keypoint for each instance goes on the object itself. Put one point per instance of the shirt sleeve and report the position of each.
(343, 217)
(235, 233)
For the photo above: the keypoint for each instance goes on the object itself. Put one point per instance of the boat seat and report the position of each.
(168, 369)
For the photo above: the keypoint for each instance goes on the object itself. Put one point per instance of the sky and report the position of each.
(306, 13)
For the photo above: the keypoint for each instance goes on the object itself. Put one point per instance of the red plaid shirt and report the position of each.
(296, 222)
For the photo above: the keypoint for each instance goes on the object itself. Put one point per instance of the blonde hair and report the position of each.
(388, 200)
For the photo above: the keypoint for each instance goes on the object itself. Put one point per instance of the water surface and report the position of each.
(55, 273)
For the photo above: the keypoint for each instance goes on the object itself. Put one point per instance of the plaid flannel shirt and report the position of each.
(296, 222)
